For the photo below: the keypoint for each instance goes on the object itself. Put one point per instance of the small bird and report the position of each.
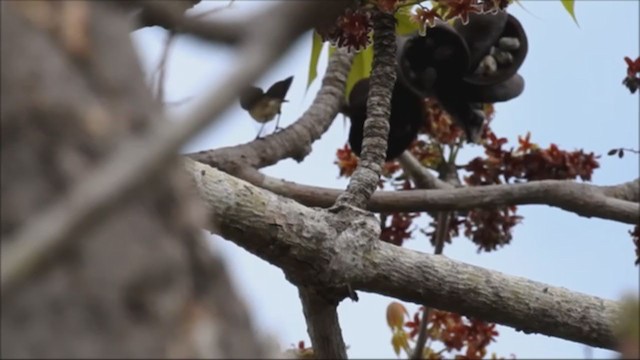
(265, 106)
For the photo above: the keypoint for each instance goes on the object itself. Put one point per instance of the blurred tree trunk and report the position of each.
(140, 281)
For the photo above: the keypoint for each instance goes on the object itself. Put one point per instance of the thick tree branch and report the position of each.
(295, 140)
(301, 240)
(629, 191)
(138, 159)
(582, 199)
(473, 291)
(376, 127)
(322, 325)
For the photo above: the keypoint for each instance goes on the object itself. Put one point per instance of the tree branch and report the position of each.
(520, 303)
(425, 180)
(295, 140)
(270, 227)
(170, 16)
(322, 325)
(421, 176)
(582, 199)
(376, 127)
(629, 191)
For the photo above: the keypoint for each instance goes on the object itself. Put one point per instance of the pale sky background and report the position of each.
(573, 97)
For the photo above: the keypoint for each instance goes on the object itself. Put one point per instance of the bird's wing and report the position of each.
(279, 89)
(250, 97)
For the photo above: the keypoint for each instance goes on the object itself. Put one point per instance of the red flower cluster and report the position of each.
(460, 8)
(347, 161)
(351, 30)
(390, 6)
(425, 18)
(632, 80)
(469, 336)
(528, 163)
(439, 125)
(398, 230)
(491, 228)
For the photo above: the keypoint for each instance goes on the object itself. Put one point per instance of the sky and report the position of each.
(573, 97)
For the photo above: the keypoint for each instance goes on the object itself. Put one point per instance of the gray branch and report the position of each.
(322, 324)
(421, 176)
(629, 191)
(364, 180)
(582, 199)
(271, 227)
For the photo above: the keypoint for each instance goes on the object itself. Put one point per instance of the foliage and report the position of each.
(436, 148)
(569, 6)
(352, 30)
(632, 80)
(458, 337)
(489, 229)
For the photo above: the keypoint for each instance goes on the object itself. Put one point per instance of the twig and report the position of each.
(170, 15)
(582, 199)
(421, 176)
(364, 180)
(162, 67)
(322, 325)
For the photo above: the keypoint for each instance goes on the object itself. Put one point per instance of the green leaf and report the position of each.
(404, 24)
(568, 5)
(316, 48)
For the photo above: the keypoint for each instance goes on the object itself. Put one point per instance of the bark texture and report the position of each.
(305, 242)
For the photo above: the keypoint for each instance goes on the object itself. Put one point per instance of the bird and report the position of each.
(407, 116)
(265, 106)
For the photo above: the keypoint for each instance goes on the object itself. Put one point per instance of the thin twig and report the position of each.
(580, 198)
(212, 11)
(162, 67)
(421, 176)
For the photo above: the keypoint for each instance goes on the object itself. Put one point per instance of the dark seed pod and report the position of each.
(442, 53)
(480, 34)
(511, 30)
